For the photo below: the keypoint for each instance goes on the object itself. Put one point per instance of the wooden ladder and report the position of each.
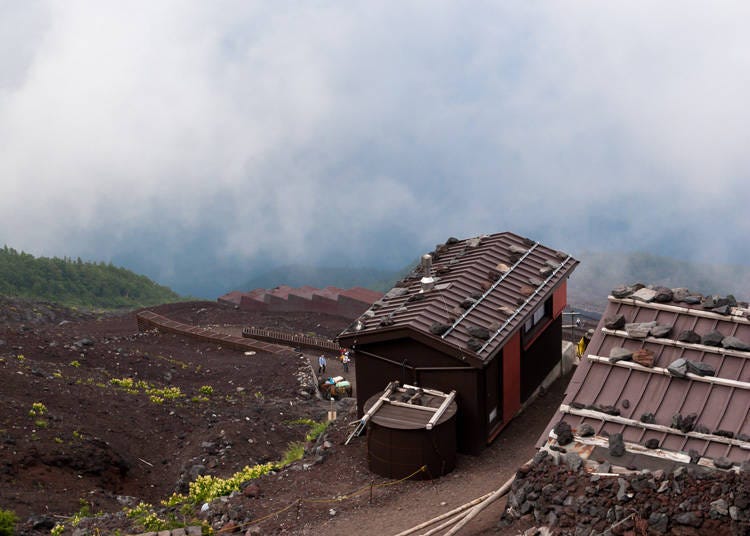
(362, 424)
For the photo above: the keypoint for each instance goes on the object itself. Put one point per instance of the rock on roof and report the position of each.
(480, 291)
(667, 372)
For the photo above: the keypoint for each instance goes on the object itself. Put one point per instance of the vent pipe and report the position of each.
(427, 281)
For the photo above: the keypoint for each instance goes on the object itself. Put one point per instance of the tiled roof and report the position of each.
(491, 283)
(681, 415)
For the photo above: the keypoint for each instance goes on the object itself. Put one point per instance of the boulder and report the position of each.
(719, 507)
(663, 295)
(722, 310)
(684, 424)
(689, 336)
(526, 290)
(621, 292)
(661, 330)
(620, 354)
(709, 302)
(712, 338)
(586, 430)
(467, 303)
(678, 368)
(644, 357)
(733, 343)
(616, 445)
(439, 328)
(680, 293)
(564, 433)
(648, 418)
(644, 294)
(658, 523)
(691, 519)
(652, 443)
(479, 332)
(700, 368)
(614, 322)
(639, 330)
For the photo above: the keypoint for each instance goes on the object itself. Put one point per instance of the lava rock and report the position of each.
(661, 330)
(586, 430)
(689, 336)
(658, 523)
(691, 519)
(615, 322)
(678, 368)
(479, 332)
(564, 433)
(439, 328)
(616, 445)
(648, 418)
(723, 463)
(700, 368)
(652, 443)
(621, 292)
(663, 295)
(620, 354)
(644, 294)
(644, 357)
(712, 338)
(639, 330)
(733, 343)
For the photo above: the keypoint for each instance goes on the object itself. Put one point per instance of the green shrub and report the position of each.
(295, 451)
(8, 522)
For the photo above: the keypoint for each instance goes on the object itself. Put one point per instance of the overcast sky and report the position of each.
(172, 136)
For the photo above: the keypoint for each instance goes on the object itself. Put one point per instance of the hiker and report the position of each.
(345, 360)
(321, 364)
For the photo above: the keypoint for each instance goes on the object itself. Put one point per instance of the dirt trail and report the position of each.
(474, 476)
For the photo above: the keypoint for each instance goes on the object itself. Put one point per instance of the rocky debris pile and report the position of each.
(304, 374)
(653, 293)
(557, 492)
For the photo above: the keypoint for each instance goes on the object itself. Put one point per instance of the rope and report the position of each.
(323, 500)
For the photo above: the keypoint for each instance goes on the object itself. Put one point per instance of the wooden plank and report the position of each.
(441, 410)
(634, 448)
(411, 406)
(664, 372)
(564, 408)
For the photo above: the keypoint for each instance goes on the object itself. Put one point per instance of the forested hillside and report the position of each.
(75, 282)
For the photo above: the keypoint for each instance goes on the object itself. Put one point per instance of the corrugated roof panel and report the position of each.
(721, 405)
(473, 269)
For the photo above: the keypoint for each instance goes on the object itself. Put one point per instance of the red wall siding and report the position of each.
(511, 377)
(559, 298)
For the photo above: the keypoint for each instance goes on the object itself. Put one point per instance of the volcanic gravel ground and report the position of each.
(105, 446)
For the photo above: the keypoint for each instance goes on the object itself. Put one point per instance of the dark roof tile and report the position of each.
(487, 283)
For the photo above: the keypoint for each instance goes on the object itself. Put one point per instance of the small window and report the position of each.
(538, 316)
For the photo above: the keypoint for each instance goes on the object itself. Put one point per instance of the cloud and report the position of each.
(364, 132)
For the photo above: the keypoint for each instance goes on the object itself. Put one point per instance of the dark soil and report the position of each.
(98, 445)
(99, 448)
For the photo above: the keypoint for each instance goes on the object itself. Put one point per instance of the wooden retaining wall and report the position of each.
(291, 339)
(149, 320)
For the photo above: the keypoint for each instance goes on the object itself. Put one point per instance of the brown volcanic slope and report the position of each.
(97, 441)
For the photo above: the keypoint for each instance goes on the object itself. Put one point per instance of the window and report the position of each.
(537, 320)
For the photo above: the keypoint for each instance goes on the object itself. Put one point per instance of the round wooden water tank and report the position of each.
(398, 443)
